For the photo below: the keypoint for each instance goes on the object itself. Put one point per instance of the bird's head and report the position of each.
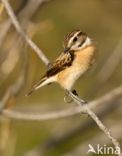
(76, 40)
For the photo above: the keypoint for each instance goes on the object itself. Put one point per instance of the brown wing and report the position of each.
(63, 61)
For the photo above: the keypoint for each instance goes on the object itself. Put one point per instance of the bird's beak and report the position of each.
(66, 50)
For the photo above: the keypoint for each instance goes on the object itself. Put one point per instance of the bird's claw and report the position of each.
(67, 98)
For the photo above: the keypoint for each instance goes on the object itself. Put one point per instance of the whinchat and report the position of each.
(77, 57)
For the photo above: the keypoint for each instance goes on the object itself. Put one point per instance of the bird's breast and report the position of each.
(67, 77)
(82, 62)
(85, 58)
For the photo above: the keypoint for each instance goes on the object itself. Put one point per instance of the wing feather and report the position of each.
(63, 61)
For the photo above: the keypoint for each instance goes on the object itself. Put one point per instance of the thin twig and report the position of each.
(30, 8)
(114, 94)
(102, 127)
(24, 16)
(54, 142)
(22, 33)
(88, 110)
(83, 147)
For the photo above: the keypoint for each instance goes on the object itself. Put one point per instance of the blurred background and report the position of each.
(46, 23)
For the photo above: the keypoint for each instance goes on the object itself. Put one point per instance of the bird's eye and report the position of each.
(75, 39)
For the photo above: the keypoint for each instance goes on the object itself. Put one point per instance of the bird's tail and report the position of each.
(44, 81)
(38, 85)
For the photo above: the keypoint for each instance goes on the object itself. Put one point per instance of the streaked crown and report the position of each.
(76, 40)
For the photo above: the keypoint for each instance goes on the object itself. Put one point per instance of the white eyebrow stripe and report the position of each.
(87, 42)
(70, 41)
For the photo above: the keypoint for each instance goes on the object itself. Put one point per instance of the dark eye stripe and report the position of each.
(81, 43)
(75, 39)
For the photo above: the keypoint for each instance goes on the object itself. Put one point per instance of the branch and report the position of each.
(75, 110)
(78, 101)
(24, 15)
(22, 33)
(83, 147)
(114, 94)
(55, 143)
(30, 8)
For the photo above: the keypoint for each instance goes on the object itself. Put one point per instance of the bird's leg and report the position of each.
(67, 98)
(76, 94)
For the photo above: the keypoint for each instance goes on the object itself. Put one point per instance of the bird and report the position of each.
(78, 55)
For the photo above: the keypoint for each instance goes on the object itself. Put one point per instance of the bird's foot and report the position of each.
(67, 98)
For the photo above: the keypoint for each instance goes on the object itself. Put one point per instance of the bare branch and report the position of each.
(114, 94)
(102, 127)
(83, 147)
(25, 14)
(55, 142)
(88, 110)
(30, 8)
(22, 33)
